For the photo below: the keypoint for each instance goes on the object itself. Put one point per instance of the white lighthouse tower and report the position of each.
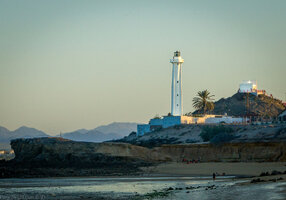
(176, 98)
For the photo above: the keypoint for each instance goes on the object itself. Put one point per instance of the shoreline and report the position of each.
(238, 169)
(170, 169)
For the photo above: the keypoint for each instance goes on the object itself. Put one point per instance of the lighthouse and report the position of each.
(176, 89)
(176, 117)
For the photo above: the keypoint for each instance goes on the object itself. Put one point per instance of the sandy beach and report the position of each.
(248, 184)
(143, 188)
(207, 169)
(165, 181)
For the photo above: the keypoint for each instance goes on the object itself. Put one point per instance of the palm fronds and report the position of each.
(204, 101)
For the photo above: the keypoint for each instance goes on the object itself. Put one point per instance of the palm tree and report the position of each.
(203, 101)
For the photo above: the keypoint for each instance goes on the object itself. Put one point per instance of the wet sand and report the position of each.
(270, 187)
(139, 188)
(207, 169)
(175, 180)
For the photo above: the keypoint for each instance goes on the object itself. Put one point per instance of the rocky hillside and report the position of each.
(263, 106)
(187, 134)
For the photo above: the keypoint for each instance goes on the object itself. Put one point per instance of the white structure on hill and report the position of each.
(247, 86)
(250, 87)
(176, 98)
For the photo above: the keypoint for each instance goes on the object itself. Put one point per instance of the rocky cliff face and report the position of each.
(189, 134)
(231, 152)
(57, 152)
(51, 157)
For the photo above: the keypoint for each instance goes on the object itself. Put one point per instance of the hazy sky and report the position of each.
(66, 65)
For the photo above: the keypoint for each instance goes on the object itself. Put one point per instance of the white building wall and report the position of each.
(169, 121)
(187, 120)
(225, 119)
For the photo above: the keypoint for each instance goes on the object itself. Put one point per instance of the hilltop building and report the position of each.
(250, 87)
(176, 117)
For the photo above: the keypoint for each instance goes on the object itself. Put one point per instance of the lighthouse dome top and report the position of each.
(177, 58)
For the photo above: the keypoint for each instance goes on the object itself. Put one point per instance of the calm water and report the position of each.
(120, 187)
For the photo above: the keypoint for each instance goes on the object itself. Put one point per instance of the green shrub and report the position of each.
(222, 138)
(209, 132)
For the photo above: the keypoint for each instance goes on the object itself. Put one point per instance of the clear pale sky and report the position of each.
(66, 65)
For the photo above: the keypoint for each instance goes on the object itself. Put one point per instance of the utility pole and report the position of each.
(246, 106)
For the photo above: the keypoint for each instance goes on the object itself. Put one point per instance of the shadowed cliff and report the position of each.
(46, 157)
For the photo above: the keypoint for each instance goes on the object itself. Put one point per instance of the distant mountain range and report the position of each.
(111, 131)
(22, 132)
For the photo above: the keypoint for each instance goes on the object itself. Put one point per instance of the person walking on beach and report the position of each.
(214, 176)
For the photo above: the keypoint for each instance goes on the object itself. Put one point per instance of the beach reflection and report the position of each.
(119, 187)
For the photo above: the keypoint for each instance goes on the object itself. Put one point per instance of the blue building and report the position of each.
(164, 122)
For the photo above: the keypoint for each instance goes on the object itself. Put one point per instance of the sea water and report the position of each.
(124, 187)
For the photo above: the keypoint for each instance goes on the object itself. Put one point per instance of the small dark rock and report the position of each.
(256, 180)
(264, 174)
(274, 172)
